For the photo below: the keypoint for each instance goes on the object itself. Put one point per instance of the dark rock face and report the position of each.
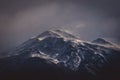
(59, 55)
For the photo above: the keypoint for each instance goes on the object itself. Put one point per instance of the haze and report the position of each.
(87, 19)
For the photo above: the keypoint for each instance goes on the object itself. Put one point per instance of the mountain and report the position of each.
(102, 41)
(57, 54)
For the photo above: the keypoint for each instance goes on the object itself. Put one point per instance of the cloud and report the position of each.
(22, 19)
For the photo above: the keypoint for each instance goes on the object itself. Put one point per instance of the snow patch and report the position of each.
(44, 56)
(41, 38)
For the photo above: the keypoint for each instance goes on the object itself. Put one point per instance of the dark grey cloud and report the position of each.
(88, 19)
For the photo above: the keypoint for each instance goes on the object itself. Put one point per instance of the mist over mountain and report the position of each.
(88, 19)
(59, 55)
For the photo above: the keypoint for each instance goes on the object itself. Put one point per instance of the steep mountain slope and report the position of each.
(57, 52)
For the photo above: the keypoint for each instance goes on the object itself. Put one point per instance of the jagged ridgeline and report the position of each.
(58, 55)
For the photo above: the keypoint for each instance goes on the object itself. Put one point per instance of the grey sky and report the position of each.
(88, 19)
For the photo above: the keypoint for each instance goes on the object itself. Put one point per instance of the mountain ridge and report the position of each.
(102, 41)
(62, 51)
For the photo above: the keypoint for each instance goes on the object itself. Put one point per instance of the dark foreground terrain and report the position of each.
(37, 69)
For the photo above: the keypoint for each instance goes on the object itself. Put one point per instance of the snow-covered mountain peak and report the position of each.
(61, 50)
(102, 41)
(57, 33)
